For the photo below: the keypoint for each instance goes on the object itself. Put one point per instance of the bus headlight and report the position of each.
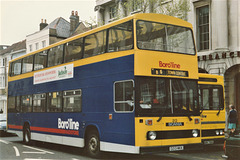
(195, 133)
(217, 132)
(152, 135)
(221, 132)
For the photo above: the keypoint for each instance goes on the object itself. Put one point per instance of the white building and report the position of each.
(216, 25)
(16, 50)
(57, 30)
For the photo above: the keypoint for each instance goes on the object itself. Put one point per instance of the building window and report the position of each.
(203, 27)
(2, 82)
(43, 44)
(36, 44)
(113, 12)
(30, 48)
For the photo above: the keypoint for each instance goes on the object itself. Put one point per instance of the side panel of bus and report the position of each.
(96, 82)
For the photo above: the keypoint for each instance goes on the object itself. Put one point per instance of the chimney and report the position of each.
(43, 24)
(74, 20)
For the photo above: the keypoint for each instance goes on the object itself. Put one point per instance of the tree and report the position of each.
(176, 8)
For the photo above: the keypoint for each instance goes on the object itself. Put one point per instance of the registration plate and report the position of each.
(176, 148)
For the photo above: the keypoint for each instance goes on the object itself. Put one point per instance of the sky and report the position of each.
(19, 18)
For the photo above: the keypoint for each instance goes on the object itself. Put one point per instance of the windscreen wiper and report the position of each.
(218, 111)
(160, 117)
(189, 117)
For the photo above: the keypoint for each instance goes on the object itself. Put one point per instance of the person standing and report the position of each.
(232, 119)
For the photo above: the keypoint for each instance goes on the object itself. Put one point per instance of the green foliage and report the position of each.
(176, 8)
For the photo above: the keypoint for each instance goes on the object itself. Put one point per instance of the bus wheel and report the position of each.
(93, 144)
(26, 135)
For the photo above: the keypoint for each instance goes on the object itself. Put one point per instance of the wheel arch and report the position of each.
(91, 128)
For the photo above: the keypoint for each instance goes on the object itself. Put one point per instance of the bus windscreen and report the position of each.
(164, 37)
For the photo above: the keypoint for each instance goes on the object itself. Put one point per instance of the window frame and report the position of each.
(166, 32)
(30, 103)
(12, 68)
(49, 62)
(66, 96)
(49, 102)
(210, 88)
(45, 101)
(114, 98)
(35, 57)
(31, 56)
(198, 30)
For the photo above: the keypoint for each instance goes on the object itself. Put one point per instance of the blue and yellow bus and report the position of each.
(213, 113)
(130, 86)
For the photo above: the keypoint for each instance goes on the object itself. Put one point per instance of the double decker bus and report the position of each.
(129, 86)
(212, 106)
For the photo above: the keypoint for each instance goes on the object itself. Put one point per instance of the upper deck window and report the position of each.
(120, 37)
(73, 50)
(95, 44)
(163, 37)
(16, 67)
(27, 65)
(55, 56)
(40, 60)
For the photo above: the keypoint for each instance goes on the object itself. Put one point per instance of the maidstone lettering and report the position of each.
(169, 65)
(69, 124)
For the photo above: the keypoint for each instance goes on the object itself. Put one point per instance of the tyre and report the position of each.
(26, 135)
(92, 147)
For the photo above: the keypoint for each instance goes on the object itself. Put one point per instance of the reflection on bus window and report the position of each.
(124, 96)
(73, 50)
(26, 103)
(72, 101)
(183, 96)
(210, 97)
(40, 60)
(155, 94)
(16, 67)
(54, 102)
(167, 96)
(162, 37)
(95, 44)
(39, 102)
(11, 104)
(27, 65)
(121, 37)
(55, 56)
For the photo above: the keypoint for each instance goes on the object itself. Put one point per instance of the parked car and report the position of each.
(3, 123)
(232, 146)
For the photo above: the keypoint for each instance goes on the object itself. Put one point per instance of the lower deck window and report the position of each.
(26, 103)
(72, 101)
(39, 103)
(54, 102)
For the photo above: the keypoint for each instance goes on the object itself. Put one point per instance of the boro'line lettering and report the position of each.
(69, 124)
(169, 65)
